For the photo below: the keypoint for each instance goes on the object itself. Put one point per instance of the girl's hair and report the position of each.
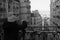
(24, 22)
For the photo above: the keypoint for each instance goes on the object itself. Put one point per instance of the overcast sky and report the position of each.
(40, 5)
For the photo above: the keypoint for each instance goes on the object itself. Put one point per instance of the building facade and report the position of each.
(2, 8)
(36, 19)
(9, 8)
(25, 11)
(55, 13)
(19, 8)
(2, 15)
(46, 21)
(13, 7)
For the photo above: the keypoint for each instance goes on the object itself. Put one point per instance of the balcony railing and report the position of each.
(42, 29)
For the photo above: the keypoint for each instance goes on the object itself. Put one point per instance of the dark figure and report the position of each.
(10, 30)
(24, 26)
(44, 35)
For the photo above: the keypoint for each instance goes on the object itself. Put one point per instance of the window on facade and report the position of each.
(17, 7)
(28, 7)
(54, 9)
(9, 6)
(34, 23)
(57, 7)
(24, 1)
(32, 15)
(56, 1)
(13, 7)
(27, 0)
(55, 23)
(4, 0)
(9, 0)
(2, 9)
(54, 16)
(58, 17)
(17, 0)
(58, 12)
(0, 3)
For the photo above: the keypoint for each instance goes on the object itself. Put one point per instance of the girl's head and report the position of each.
(24, 22)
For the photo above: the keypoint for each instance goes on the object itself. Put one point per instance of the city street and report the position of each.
(29, 20)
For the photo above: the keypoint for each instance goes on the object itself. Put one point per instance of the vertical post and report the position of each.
(19, 21)
(12, 6)
(6, 8)
(42, 23)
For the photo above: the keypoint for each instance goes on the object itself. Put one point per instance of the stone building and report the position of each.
(13, 7)
(55, 13)
(2, 8)
(25, 11)
(9, 8)
(19, 8)
(45, 22)
(37, 18)
(2, 15)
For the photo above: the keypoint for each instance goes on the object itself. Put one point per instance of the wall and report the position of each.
(55, 13)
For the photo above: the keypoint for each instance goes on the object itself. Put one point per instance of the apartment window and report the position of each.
(28, 7)
(4, 0)
(24, 1)
(55, 23)
(54, 9)
(9, 0)
(17, 0)
(0, 3)
(13, 7)
(54, 16)
(56, 1)
(57, 7)
(17, 7)
(9, 6)
(32, 14)
(27, 0)
(58, 12)
(2, 9)
(58, 17)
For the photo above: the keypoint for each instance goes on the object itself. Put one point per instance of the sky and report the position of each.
(42, 6)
